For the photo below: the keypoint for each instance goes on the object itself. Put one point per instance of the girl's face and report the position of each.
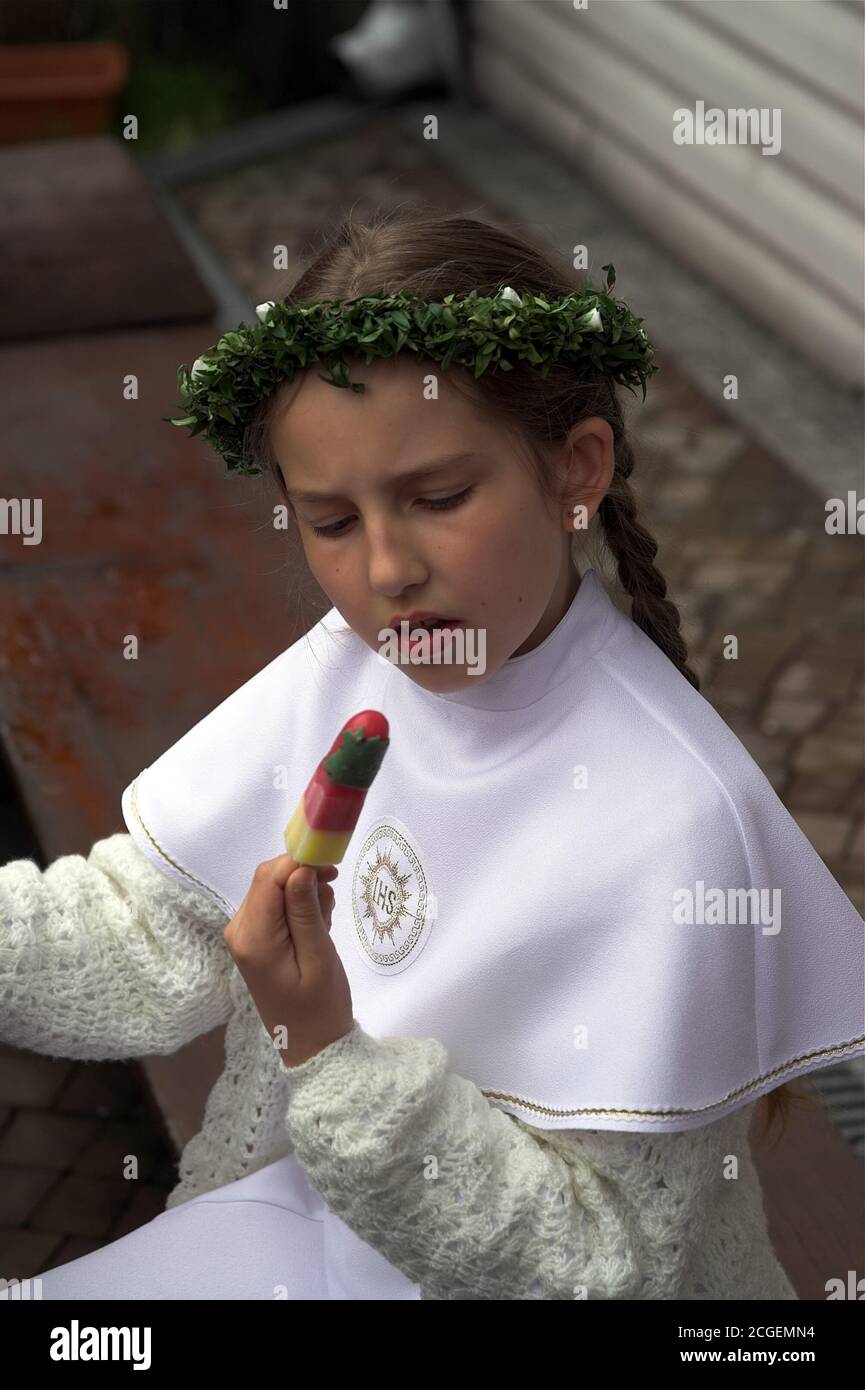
(496, 557)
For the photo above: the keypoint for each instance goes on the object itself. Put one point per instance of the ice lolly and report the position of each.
(321, 827)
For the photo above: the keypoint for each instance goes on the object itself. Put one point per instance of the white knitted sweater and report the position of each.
(104, 958)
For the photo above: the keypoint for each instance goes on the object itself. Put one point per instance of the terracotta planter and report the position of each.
(50, 91)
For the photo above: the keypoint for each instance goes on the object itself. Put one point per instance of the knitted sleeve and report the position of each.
(104, 957)
(469, 1202)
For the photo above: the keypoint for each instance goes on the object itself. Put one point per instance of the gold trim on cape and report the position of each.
(163, 854)
(840, 1050)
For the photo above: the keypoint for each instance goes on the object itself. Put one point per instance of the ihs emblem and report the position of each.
(382, 890)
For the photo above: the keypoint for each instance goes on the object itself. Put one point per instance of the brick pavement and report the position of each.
(65, 1129)
(745, 551)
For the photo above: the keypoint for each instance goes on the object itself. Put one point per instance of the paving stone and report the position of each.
(741, 608)
(72, 1248)
(856, 893)
(147, 1203)
(785, 715)
(675, 499)
(846, 727)
(24, 1252)
(800, 678)
(731, 701)
(817, 753)
(721, 547)
(20, 1190)
(827, 833)
(104, 1089)
(760, 653)
(713, 447)
(824, 790)
(839, 656)
(83, 1206)
(832, 557)
(757, 576)
(44, 1140)
(107, 1153)
(765, 749)
(29, 1079)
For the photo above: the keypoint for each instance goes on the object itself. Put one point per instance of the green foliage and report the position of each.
(589, 329)
(178, 102)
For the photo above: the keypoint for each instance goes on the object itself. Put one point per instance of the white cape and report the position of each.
(550, 874)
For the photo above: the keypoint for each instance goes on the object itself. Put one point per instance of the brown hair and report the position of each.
(431, 254)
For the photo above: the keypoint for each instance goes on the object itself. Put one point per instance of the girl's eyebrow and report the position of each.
(423, 470)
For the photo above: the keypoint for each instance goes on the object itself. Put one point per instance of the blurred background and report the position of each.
(153, 157)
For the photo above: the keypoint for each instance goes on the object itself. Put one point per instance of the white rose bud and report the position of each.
(511, 296)
(200, 367)
(594, 320)
(262, 310)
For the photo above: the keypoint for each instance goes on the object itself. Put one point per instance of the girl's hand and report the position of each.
(280, 942)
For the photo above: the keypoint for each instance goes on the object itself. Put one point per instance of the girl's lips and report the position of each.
(436, 633)
(439, 625)
(427, 624)
(422, 617)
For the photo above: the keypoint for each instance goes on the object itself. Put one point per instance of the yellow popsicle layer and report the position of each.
(314, 847)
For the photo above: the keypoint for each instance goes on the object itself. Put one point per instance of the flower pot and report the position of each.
(52, 91)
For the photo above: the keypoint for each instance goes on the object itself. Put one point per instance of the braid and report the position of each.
(634, 550)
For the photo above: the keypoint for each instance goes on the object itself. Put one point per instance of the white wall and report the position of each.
(782, 234)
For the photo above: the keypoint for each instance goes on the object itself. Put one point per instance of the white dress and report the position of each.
(267, 1236)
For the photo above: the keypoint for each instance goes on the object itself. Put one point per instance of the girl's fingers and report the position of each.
(280, 869)
(326, 900)
(324, 891)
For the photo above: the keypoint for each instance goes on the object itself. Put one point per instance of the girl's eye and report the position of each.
(435, 503)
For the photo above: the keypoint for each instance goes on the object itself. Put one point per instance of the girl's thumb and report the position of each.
(303, 894)
(309, 931)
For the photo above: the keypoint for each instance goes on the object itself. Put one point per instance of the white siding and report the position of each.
(781, 233)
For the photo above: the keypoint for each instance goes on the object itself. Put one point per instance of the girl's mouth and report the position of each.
(434, 633)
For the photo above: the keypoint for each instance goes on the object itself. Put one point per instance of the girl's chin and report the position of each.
(445, 680)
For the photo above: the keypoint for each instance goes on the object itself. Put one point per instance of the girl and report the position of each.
(579, 938)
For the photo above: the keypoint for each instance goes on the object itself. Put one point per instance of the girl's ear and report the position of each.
(591, 464)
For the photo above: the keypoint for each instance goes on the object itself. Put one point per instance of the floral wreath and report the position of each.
(220, 393)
